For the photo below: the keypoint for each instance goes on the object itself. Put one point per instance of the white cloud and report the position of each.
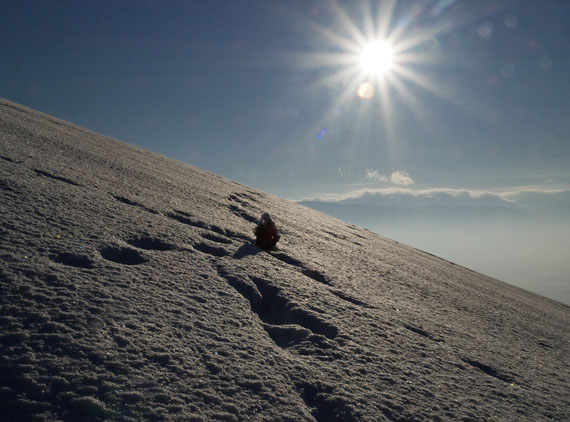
(374, 175)
(401, 178)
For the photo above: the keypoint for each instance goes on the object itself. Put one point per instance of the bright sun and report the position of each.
(376, 53)
(376, 58)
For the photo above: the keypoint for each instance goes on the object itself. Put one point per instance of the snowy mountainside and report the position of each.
(131, 289)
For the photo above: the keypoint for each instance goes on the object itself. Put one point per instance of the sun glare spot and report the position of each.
(365, 90)
(377, 58)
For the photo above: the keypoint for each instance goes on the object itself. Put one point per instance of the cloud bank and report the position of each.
(529, 197)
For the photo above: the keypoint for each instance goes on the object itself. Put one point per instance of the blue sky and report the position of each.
(266, 92)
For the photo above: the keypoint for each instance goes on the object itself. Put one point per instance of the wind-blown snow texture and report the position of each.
(131, 290)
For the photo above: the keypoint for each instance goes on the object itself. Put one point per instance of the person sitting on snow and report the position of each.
(266, 235)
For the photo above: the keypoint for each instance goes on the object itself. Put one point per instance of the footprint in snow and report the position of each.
(150, 243)
(72, 260)
(120, 255)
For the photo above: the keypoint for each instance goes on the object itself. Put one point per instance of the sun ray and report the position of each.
(384, 18)
(387, 111)
(411, 98)
(348, 24)
(337, 39)
(419, 57)
(410, 42)
(321, 60)
(399, 29)
(351, 82)
(369, 31)
(339, 77)
(422, 81)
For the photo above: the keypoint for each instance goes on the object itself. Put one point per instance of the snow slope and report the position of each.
(131, 290)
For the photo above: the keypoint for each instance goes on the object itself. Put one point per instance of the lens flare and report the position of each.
(366, 91)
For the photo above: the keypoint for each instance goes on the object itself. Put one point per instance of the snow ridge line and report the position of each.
(489, 370)
(314, 274)
(53, 176)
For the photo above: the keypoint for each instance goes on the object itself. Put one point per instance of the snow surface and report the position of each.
(131, 290)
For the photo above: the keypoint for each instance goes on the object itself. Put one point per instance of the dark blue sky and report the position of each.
(240, 88)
